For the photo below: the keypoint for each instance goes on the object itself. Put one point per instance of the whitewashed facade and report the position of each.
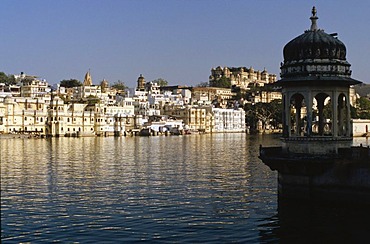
(228, 120)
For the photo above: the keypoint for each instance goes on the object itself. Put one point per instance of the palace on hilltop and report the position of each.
(242, 77)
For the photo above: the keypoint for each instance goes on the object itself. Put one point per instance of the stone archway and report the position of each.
(323, 114)
(298, 115)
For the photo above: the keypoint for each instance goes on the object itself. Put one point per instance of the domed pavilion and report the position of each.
(315, 81)
(317, 132)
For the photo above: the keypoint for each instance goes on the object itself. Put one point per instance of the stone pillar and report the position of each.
(287, 114)
(308, 100)
(334, 116)
(298, 107)
(348, 117)
(341, 116)
(285, 121)
(320, 106)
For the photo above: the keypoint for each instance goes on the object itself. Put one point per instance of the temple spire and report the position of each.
(87, 80)
(314, 20)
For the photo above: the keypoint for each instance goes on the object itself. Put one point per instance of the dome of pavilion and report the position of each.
(315, 54)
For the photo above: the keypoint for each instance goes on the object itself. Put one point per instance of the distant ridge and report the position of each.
(363, 89)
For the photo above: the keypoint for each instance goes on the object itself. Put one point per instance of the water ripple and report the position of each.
(206, 188)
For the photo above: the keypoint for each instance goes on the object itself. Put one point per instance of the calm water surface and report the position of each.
(192, 189)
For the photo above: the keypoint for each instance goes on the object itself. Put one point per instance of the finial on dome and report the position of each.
(313, 20)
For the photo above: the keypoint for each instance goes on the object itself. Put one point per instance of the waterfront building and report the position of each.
(69, 119)
(208, 118)
(23, 114)
(196, 118)
(84, 119)
(227, 120)
(361, 127)
(163, 124)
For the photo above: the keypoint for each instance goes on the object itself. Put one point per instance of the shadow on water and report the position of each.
(302, 222)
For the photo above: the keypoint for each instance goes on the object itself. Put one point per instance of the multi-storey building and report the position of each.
(30, 86)
(194, 117)
(23, 114)
(242, 76)
(228, 120)
(71, 113)
(208, 118)
(205, 95)
(81, 119)
(262, 96)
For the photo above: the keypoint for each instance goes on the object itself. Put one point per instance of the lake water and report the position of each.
(187, 189)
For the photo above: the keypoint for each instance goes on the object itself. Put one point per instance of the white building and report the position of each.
(228, 120)
(361, 127)
(23, 114)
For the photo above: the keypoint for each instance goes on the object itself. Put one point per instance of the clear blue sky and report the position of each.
(178, 40)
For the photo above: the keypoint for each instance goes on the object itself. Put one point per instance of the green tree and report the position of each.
(119, 85)
(364, 103)
(7, 79)
(92, 100)
(161, 82)
(3, 77)
(363, 112)
(203, 84)
(70, 83)
(268, 113)
(223, 82)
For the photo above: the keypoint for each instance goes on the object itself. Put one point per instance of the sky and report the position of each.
(176, 40)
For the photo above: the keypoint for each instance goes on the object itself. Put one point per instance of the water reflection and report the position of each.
(298, 221)
(198, 188)
(302, 222)
(190, 188)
